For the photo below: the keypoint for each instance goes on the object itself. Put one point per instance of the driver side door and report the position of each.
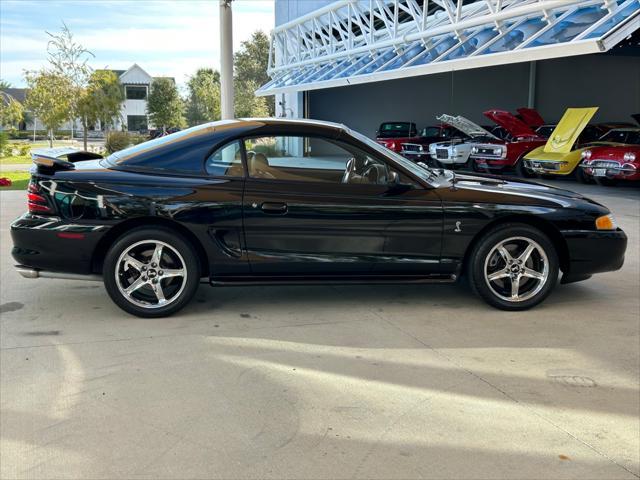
(301, 219)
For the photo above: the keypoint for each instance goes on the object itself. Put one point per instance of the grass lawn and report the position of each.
(14, 159)
(19, 180)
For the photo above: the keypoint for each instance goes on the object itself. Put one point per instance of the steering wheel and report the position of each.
(349, 170)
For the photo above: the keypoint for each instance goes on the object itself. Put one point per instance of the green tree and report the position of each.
(100, 100)
(247, 104)
(11, 111)
(203, 101)
(250, 67)
(70, 59)
(164, 105)
(4, 84)
(48, 99)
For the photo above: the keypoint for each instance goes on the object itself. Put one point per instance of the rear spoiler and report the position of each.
(49, 164)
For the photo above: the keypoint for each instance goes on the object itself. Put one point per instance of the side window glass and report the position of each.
(226, 161)
(311, 159)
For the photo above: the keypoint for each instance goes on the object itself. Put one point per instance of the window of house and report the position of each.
(136, 92)
(226, 161)
(137, 123)
(311, 159)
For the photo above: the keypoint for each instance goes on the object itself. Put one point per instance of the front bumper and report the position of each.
(51, 244)
(612, 170)
(547, 167)
(594, 251)
(493, 163)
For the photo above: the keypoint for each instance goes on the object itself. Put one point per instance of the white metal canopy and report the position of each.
(359, 41)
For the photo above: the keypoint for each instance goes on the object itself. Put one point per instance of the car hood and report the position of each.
(465, 125)
(531, 117)
(568, 130)
(516, 189)
(510, 123)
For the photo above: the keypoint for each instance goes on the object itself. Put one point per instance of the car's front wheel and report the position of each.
(151, 272)
(513, 267)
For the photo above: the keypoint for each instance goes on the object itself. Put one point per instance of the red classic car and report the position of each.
(530, 116)
(393, 134)
(506, 155)
(620, 160)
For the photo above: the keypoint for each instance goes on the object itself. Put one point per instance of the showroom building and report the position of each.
(363, 62)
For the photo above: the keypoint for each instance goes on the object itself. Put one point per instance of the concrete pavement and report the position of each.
(322, 382)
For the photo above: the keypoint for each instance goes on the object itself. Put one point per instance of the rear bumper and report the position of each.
(48, 243)
(594, 251)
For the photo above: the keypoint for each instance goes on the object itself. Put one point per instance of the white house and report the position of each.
(136, 83)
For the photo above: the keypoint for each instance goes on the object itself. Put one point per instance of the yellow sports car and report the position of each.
(557, 156)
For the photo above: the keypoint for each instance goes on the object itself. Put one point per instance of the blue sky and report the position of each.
(166, 38)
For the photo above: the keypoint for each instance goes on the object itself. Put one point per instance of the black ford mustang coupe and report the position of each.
(264, 201)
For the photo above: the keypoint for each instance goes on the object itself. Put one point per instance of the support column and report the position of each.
(531, 99)
(226, 60)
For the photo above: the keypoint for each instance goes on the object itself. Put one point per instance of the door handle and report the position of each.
(274, 208)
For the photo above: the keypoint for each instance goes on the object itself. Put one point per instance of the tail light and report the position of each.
(37, 202)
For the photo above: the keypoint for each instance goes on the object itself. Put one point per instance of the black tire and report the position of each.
(580, 175)
(477, 168)
(177, 254)
(606, 182)
(522, 171)
(484, 253)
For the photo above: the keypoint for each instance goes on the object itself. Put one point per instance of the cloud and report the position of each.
(165, 38)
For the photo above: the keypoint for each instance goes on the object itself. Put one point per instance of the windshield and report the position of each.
(421, 172)
(397, 129)
(621, 136)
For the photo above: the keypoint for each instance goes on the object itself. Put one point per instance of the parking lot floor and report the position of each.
(322, 382)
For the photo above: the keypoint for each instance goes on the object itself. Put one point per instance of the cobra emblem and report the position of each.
(458, 229)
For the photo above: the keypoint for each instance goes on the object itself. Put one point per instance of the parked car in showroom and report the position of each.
(274, 201)
(455, 151)
(616, 157)
(506, 154)
(530, 116)
(557, 156)
(403, 137)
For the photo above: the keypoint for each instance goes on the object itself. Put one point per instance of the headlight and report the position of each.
(606, 222)
(586, 154)
(474, 149)
(420, 148)
(629, 157)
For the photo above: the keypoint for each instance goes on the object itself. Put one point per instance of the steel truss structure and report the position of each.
(359, 41)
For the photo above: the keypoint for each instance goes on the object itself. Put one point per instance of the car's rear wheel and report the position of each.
(513, 267)
(151, 272)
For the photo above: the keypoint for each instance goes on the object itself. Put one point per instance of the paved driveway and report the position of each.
(321, 382)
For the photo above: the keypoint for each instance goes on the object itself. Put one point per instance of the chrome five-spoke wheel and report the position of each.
(516, 269)
(151, 274)
(513, 266)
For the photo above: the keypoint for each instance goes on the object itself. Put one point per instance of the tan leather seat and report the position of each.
(259, 166)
